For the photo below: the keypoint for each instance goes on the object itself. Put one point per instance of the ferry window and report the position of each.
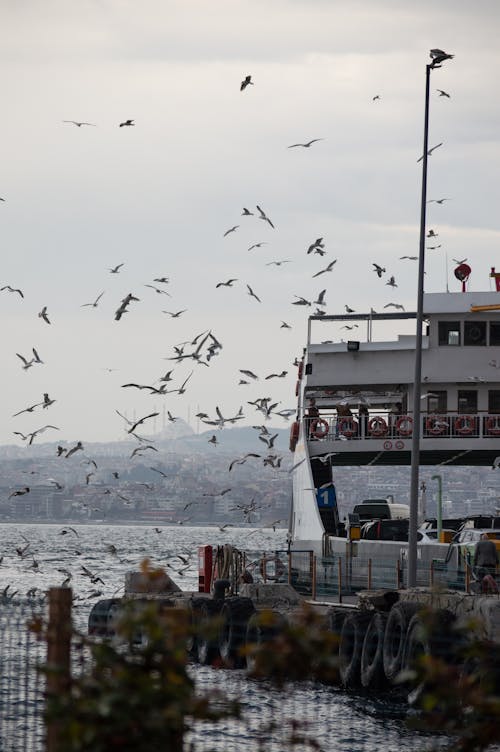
(494, 332)
(467, 401)
(449, 332)
(494, 401)
(475, 333)
(437, 402)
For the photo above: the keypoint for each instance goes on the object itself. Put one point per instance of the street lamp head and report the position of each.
(438, 57)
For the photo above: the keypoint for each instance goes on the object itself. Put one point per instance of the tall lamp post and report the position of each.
(438, 57)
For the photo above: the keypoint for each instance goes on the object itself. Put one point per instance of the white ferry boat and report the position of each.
(355, 407)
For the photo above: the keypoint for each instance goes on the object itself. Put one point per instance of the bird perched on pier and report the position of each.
(349, 310)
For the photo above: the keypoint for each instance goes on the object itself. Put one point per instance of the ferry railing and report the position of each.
(380, 424)
(338, 576)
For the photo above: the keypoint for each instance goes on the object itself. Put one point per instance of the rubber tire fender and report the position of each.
(235, 615)
(259, 633)
(351, 645)
(103, 616)
(372, 654)
(395, 636)
(194, 615)
(437, 641)
(207, 641)
(336, 617)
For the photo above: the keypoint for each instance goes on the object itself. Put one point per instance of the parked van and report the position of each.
(381, 509)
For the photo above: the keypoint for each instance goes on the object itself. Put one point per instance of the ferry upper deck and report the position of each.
(362, 388)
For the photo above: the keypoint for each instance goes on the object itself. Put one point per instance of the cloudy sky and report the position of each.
(158, 197)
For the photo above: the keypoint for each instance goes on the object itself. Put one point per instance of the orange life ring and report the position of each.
(377, 426)
(315, 429)
(407, 422)
(277, 568)
(347, 427)
(435, 425)
(294, 435)
(464, 425)
(492, 425)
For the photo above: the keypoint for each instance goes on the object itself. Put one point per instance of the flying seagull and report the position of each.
(410, 258)
(78, 123)
(12, 289)
(252, 294)
(78, 446)
(327, 269)
(256, 245)
(284, 325)
(140, 421)
(43, 315)
(430, 151)
(231, 229)
(307, 144)
(321, 299)
(116, 269)
(349, 310)
(378, 269)
(279, 262)
(250, 374)
(229, 283)
(438, 57)
(443, 93)
(127, 122)
(438, 200)
(433, 247)
(432, 234)
(377, 96)
(27, 363)
(391, 282)
(246, 212)
(395, 305)
(176, 314)
(318, 243)
(301, 301)
(94, 304)
(459, 261)
(264, 216)
(247, 81)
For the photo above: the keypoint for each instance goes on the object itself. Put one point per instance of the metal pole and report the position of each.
(415, 447)
(439, 506)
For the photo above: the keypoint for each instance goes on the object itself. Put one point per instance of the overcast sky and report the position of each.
(158, 197)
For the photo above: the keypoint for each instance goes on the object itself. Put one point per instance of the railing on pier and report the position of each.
(382, 424)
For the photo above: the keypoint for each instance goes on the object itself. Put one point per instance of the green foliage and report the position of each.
(134, 693)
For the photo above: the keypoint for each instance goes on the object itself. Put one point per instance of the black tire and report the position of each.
(433, 637)
(194, 615)
(335, 620)
(258, 633)
(102, 617)
(351, 645)
(208, 632)
(395, 637)
(372, 654)
(234, 615)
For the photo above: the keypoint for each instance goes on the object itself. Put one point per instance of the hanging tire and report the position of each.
(351, 645)
(372, 654)
(395, 637)
(232, 636)
(261, 629)
(335, 620)
(208, 632)
(194, 616)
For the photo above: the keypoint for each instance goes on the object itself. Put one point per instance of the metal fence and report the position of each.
(22, 686)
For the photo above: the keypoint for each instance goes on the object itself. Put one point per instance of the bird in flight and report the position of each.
(252, 294)
(276, 375)
(397, 306)
(378, 269)
(78, 123)
(140, 421)
(231, 229)
(318, 243)
(124, 305)
(321, 299)
(213, 440)
(250, 374)
(438, 200)
(127, 122)
(159, 290)
(27, 363)
(78, 446)
(278, 263)
(326, 269)
(301, 301)
(350, 327)
(307, 144)
(433, 247)
(246, 212)
(410, 258)
(116, 269)
(430, 151)
(27, 409)
(44, 315)
(432, 234)
(391, 282)
(256, 245)
(247, 81)
(264, 216)
(459, 261)
(443, 93)
(377, 96)
(94, 304)
(12, 289)
(229, 283)
(284, 325)
(176, 314)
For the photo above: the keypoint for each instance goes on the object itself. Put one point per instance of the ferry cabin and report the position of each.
(363, 390)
